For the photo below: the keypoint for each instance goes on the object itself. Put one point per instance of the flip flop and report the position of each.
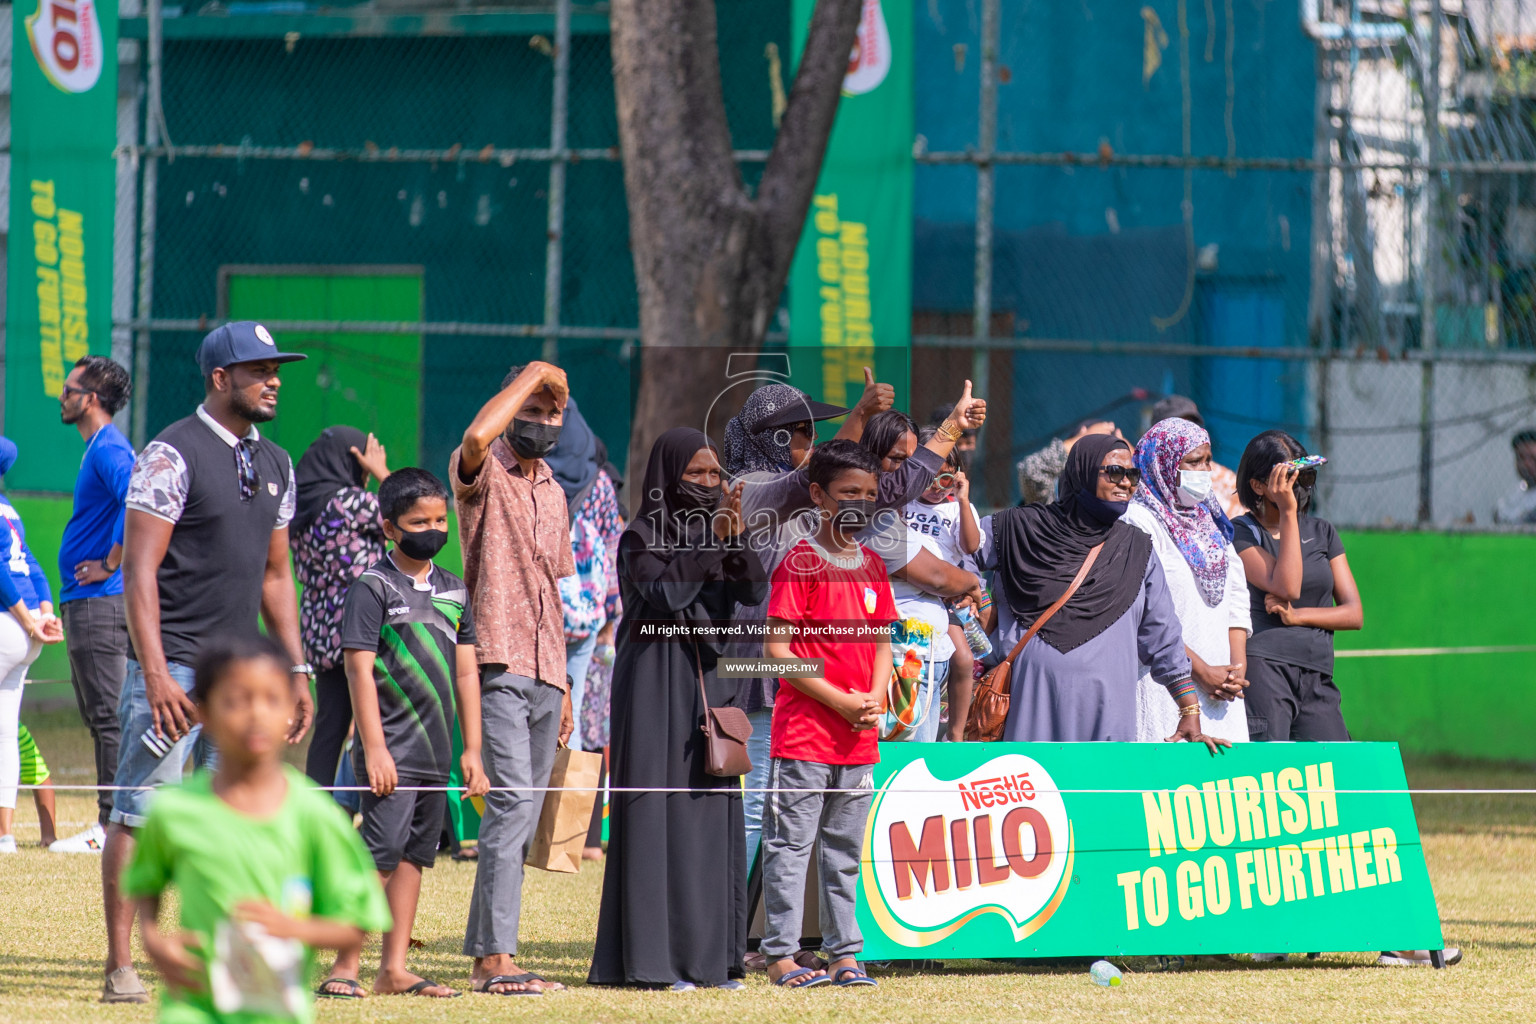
(420, 989)
(528, 976)
(859, 978)
(788, 980)
(507, 979)
(354, 990)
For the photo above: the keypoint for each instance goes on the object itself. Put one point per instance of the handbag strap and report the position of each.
(1045, 616)
(698, 668)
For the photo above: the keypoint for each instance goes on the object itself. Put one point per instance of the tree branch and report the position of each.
(789, 180)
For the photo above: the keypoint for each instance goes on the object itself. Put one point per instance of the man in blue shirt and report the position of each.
(90, 560)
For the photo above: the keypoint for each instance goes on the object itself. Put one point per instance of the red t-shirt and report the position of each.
(810, 590)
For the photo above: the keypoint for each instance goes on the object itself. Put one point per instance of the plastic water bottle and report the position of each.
(1104, 973)
(975, 636)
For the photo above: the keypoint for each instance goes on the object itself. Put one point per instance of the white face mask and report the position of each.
(1194, 486)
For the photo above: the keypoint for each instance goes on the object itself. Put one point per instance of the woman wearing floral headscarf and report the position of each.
(1192, 538)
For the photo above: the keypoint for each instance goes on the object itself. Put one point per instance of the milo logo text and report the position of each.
(66, 40)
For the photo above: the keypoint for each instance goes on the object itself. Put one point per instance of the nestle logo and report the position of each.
(998, 792)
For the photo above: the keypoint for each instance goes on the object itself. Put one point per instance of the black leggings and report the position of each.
(333, 717)
(1287, 702)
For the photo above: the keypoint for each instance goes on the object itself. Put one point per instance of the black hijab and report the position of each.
(573, 460)
(660, 521)
(326, 467)
(1041, 547)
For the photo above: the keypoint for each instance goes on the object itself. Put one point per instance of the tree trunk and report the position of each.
(710, 259)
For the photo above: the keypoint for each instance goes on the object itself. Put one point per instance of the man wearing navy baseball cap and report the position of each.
(205, 550)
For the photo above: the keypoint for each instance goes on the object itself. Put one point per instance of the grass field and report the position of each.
(1481, 852)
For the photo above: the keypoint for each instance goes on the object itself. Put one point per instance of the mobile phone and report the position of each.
(157, 744)
(1307, 462)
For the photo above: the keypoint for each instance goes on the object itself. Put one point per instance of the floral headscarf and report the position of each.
(752, 448)
(1201, 532)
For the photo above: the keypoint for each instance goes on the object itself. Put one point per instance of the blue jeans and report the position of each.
(578, 657)
(137, 765)
(757, 778)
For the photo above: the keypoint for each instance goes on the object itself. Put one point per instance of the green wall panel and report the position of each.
(1443, 593)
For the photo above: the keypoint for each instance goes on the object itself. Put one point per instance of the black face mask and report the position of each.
(1101, 510)
(853, 514)
(532, 440)
(696, 497)
(422, 545)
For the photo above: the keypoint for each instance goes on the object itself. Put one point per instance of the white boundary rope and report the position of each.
(731, 790)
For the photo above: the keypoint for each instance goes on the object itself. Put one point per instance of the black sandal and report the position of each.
(354, 990)
(508, 979)
(420, 989)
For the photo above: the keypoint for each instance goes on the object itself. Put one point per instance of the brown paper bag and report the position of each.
(567, 814)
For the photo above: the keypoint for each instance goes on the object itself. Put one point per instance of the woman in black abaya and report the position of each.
(674, 908)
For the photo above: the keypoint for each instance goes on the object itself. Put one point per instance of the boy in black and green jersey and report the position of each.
(409, 644)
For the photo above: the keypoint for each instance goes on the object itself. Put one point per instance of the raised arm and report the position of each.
(496, 415)
(1279, 576)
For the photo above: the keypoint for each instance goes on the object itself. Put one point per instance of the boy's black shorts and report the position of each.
(404, 825)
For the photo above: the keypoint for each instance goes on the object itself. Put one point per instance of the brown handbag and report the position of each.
(989, 704)
(726, 731)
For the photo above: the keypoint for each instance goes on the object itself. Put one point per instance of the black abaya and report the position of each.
(674, 903)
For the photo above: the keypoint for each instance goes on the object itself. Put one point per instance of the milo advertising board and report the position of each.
(1093, 849)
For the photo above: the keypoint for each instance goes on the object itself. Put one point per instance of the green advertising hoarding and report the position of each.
(850, 288)
(59, 269)
(1097, 849)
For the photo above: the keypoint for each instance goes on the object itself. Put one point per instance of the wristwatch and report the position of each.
(303, 669)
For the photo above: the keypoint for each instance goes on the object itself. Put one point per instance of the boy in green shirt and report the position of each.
(267, 866)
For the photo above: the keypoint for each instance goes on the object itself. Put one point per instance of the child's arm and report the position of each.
(467, 671)
(970, 529)
(314, 932)
(852, 706)
(179, 969)
(382, 777)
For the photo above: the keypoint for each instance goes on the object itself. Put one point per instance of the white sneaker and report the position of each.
(1416, 958)
(89, 841)
(1267, 958)
(7, 844)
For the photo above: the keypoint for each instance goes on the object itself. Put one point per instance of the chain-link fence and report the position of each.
(427, 196)
(1312, 214)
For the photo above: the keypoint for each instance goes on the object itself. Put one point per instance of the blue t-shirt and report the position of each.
(24, 579)
(97, 522)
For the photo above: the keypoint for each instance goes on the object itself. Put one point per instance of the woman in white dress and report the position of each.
(1192, 539)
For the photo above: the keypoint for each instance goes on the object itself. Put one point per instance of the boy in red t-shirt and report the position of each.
(831, 601)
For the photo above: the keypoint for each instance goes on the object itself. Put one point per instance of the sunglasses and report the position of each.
(70, 389)
(245, 469)
(1118, 474)
(945, 480)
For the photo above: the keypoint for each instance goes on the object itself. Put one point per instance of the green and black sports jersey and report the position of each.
(412, 628)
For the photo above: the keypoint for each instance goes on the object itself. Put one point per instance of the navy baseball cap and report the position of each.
(244, 341)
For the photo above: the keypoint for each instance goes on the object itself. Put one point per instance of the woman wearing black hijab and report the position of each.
(1076, 679)
(674, 908)
(336, 533)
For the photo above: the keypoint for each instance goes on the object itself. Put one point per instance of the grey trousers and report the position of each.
(96, 636)
(831, 823)
(520, 729)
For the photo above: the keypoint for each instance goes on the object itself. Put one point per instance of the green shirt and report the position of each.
(306, 860)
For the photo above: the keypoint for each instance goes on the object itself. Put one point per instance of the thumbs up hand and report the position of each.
(876, 397)
(970, 412)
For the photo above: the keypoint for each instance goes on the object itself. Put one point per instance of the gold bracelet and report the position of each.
(950, 431)
(1189, 710)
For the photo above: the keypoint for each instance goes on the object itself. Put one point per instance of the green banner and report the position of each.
(850, 290)
(63, 183)
(1097, 849)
